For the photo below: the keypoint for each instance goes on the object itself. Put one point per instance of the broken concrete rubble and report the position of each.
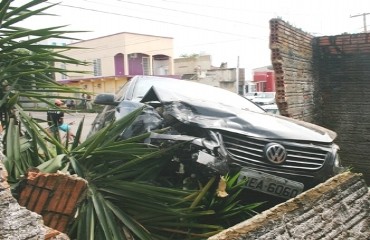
(336, 209)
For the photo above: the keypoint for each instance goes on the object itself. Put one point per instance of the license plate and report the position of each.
(270, 184)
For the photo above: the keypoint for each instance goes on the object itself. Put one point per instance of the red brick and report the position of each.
(79, 189)
(58, 193)
(25, 195)
(47, 216)
(51, 181)
(66, 191)
(54, 219)
(62, 223)
(42, 201)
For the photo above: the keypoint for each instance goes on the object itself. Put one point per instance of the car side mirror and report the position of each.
(105, 99)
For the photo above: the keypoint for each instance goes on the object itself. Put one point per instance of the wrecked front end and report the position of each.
(278, 156)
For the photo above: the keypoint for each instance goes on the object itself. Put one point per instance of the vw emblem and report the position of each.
(275, 153)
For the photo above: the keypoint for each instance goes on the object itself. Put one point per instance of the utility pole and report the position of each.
(364, 17)
(237, 77)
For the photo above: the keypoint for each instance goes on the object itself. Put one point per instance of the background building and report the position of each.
(199, 68)
(192, 67)
(113, 59)
(264, 79)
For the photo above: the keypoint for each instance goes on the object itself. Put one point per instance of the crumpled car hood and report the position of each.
(215, 115)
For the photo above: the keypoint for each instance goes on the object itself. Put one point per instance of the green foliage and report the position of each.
(27, 66)
(229, 210)
(123, 189)
(125, 196)
(26, 70)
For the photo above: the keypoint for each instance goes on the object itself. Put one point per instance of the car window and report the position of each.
(121, 93)
(103, 119)
(108, 112)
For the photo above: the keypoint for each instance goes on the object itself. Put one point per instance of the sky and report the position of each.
(234, 31)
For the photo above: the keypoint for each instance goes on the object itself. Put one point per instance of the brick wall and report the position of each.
(337, 209)
(343, 64)
(326, 81)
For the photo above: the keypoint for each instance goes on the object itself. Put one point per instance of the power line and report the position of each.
(364, 19)
(153, 20)
(191, 13)
(229, 8)
(175, 10)
(205, 5)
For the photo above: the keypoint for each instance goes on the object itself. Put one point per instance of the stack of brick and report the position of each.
(55, 196)
(291, 57)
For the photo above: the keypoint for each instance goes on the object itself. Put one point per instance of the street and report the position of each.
(73, 118)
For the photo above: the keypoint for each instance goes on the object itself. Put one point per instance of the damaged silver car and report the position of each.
(225, 132)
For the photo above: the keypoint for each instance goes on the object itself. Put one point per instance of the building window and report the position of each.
(241, 90)
(64, 67)
(146, 67)
(97, 67)
(261, 86)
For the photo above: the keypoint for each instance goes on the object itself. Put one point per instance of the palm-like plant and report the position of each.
(125, 197)
(26, 65)
(26, 70)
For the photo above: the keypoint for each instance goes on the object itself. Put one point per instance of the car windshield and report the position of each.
(195, 91)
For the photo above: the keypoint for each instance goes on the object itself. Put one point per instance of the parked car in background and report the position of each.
(271, 108)
(264, 98)
(252, 95)
(225, 132)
